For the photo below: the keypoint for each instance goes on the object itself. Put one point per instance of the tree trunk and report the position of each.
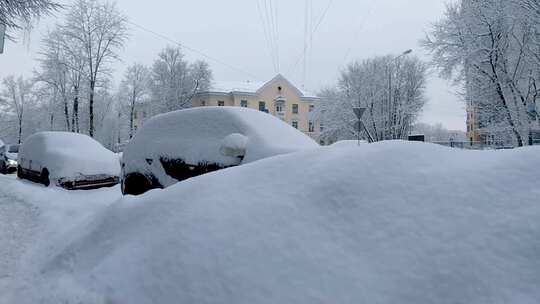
(20, 130)
(66, 113)
(131, 119)
(91, 108)
(75, 115)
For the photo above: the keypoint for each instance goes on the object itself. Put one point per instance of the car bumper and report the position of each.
(88, 182)
(11, 166)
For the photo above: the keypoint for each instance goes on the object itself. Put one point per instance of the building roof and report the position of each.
(252, 87)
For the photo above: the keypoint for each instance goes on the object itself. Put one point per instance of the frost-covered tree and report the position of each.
(175, 81)
(392, 91)
(16, 97)
(19, 14)
(134, 90)
(99, 30)
(493, 53)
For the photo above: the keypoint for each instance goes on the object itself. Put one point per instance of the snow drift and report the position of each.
(391, 222)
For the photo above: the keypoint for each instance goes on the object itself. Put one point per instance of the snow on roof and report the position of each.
(251, 87)
(392, 222)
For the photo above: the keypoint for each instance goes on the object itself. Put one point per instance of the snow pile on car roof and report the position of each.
(389, 223)
(68, 155)
(196, 136)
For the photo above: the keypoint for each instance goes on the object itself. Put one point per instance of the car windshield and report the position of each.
(13, 149)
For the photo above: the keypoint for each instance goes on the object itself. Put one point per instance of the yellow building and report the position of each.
(278, 97)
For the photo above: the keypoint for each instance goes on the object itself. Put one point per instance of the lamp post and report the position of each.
(405, 53)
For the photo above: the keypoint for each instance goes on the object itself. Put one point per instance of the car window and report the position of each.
(14, 149)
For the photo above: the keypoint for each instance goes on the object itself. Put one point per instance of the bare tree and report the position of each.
(391, 109)
(134, 89)
(175, 81)
(15, 99)
(99, 30)
(483, 46)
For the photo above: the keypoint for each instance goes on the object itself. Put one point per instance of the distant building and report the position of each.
(474, 134)
(278, 97)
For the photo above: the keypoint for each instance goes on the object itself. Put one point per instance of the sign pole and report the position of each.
(359, 112)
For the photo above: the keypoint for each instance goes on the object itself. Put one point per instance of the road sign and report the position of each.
(359, 112)
(2, 37)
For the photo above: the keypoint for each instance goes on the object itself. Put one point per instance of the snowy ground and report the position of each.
(382, 223)
(32, 218)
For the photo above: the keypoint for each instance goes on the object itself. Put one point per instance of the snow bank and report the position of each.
(349, 143)
(67, 155)
(196, 136)
(35, 222)
(392, 222)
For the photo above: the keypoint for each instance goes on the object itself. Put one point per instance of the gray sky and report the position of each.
(232, 32)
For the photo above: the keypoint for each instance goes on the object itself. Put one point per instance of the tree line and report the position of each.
(72, 89)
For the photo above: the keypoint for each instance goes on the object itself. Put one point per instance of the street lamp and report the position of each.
(405, 53)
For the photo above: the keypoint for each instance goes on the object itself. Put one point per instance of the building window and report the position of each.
(295, 108)
(244, 103)
(321, 126)
(279, 108)
(203, 103)
(221, 103)
(311, 108)
(295, 124)
(262, 106)
(311, 127)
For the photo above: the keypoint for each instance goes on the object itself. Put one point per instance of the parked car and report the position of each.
(179, 145)
(8, 158)
(68, 160)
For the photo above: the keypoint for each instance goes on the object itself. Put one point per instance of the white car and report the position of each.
(179, 145)
(8, 158)
(68, 160)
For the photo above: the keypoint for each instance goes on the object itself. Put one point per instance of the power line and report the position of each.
(310, 32)
(267, 36)
(193, 50)
(268, 12)
(357, 32)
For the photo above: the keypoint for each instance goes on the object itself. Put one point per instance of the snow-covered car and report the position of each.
(68, 160)
(179, 145)
(8, 158)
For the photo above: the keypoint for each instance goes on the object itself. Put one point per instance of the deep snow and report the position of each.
(33, 219)
(390, 222)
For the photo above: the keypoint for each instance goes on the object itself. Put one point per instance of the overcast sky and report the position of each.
(232, 32)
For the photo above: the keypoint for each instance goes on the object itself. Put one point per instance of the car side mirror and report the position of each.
(234, 145)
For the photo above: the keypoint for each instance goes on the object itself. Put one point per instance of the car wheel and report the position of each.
(135, 184)
(20, 173)
(44, 177)
(3, 168)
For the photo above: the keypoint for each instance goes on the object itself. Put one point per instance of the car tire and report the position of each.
(20, 173)
(44, 177)
(3, 168)
(135, 184)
